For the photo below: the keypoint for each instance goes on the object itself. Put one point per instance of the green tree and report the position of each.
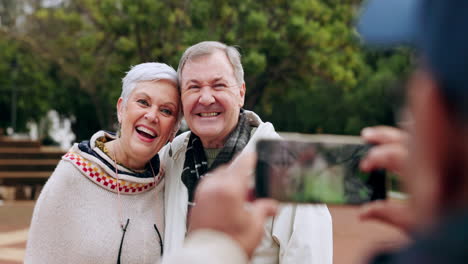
(305, 69)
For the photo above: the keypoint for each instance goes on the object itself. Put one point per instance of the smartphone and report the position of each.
(316, 169)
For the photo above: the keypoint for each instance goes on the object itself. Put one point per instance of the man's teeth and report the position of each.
(209, 114)
(145, 130)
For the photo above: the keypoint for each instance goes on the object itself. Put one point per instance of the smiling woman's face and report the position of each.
(148, 119)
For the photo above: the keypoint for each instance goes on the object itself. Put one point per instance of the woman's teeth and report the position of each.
(145, 132)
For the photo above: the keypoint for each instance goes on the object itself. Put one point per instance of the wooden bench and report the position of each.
(25, 166)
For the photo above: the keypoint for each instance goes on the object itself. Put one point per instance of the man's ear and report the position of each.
(119, 109)
(242, 95)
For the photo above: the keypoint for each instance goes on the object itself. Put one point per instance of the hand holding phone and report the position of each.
(316, 169)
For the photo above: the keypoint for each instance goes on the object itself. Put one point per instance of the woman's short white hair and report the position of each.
(209, 47)
(149, 71)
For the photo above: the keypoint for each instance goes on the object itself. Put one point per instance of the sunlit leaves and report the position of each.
(305, 69)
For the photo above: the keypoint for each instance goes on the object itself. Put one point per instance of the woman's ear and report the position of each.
(119, 109)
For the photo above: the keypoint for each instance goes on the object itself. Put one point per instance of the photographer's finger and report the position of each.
(391, 157)
(383, 135)
(389, 213)
(212, 180)
(237, 176)
(243, 169)
(265, 208)
(244, 164)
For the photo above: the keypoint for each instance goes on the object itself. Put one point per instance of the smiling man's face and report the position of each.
(211, 98)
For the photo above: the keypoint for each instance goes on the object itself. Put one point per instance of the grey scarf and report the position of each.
(196, 164)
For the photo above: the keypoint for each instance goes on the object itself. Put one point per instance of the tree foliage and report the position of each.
(305, 69)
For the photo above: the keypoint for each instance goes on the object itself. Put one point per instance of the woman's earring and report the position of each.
(170, 142)
(119, 130)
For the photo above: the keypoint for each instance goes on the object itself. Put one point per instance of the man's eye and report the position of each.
(143, 102)
(193, 87)
(220, 85)
(166, 111)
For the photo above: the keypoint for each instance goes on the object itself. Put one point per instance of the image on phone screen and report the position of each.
(315, 172)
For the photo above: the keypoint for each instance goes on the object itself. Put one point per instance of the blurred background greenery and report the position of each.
(305, 69)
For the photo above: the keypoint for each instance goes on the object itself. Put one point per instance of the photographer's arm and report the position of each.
(224, 227)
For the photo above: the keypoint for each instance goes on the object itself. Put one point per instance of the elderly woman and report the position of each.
(104, 201)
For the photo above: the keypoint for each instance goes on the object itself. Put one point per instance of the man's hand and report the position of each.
(221, 205)
(390, 153)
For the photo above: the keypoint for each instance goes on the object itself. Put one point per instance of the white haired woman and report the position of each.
(104, 202)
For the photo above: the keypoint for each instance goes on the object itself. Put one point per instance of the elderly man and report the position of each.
(212, 91)
(436, 168)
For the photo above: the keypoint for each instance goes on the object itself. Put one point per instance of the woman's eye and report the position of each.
(143, 102)
(166, 111)
(194, 87)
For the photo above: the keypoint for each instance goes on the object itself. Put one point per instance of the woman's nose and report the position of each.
(206, 96)
(151, 116)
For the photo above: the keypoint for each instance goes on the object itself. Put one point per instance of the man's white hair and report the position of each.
(209, 47)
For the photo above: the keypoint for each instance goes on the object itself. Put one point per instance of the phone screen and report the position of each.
(316, 172)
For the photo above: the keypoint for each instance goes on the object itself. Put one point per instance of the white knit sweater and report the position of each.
(76, 217)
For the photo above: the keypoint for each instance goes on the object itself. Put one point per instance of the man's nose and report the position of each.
(206, 96)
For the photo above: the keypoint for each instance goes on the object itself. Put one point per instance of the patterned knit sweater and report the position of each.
(76, 218)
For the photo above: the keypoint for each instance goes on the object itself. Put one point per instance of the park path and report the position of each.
(14, 222)
(353, 240)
